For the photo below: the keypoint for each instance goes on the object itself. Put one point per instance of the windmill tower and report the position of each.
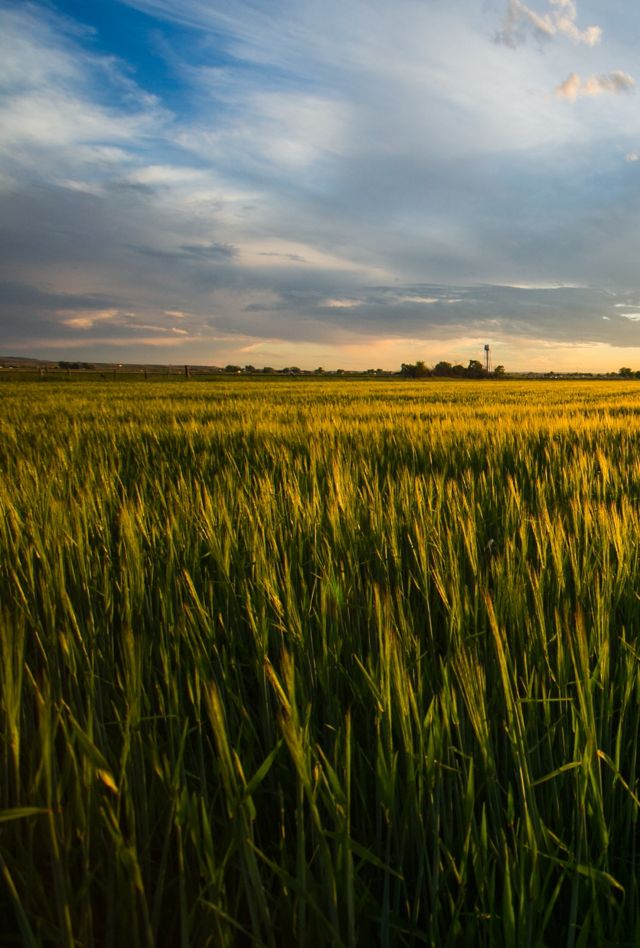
(487, 358)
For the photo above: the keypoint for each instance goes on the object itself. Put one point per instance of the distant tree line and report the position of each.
(296, 370)
(475, 370)
(75, 365)
(267, 370)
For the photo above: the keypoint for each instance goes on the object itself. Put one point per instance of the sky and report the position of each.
(345, 183)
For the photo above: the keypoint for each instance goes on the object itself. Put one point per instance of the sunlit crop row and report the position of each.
(320, 663)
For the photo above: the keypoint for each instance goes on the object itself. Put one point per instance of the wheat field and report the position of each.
(319, 663)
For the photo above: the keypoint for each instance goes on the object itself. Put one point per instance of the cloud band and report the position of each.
(574, 87)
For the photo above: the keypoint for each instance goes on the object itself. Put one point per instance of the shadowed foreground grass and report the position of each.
(320, 665)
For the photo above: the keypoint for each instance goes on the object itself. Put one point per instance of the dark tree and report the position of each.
(475, 369)
(416, 370)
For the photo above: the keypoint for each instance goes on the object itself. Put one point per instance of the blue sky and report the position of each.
(350, 183)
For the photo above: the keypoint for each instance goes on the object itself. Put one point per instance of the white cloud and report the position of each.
(97, 342)
(67, 113)
(120, 319)
(341, 304)
(33, 51)
(570, 88)
(574, 87)
(278, 254)
(565, 22)
(266, 131)
(632, 156)
(615, 82)
(55, 119)
(86, 319)
(167, 175)
(520, 20)
(424, 300)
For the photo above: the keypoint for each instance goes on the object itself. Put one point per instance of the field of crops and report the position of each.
(319, 664)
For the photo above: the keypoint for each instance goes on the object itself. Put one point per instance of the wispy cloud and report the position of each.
(341, 304)
(294, 159)
(564, 18)
(574, 87)
(68, 113)
(522, 21)
(86, 319)
(424, 300)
